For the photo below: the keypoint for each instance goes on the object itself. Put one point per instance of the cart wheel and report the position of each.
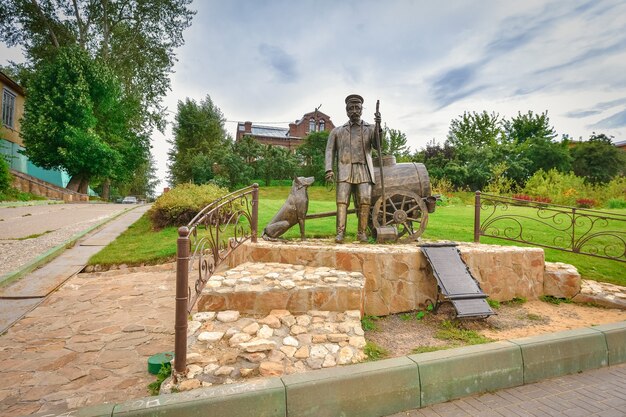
(406, 211)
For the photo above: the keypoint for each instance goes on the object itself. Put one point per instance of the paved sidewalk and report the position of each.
(21, 296)
(601, 392)
(88, 342)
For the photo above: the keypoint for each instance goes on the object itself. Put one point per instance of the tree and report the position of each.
(312, 153)
(250, 150)
(277, 163)
(394, 143)
(530, 146)
(134, 38)
(233, 169)
(76, 119)
(198, 130)
(475, 138)
(598, 160)
(474, 130)
(435, 157)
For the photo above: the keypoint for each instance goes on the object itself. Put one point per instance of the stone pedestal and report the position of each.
(398, 277)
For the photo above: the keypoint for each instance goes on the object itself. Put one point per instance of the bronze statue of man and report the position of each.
(351, 146)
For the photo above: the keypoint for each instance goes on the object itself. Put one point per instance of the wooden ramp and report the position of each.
(456, 283)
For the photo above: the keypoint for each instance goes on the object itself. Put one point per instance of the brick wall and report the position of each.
(28, 184)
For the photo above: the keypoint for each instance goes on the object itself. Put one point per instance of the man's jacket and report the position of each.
(341, 149)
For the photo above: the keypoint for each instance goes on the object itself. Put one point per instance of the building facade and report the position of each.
(12, 104)
(291, 137)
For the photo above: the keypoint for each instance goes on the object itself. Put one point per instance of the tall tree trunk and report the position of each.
(106, 189)
(79, 183)
(74, 183)
(44, 20)
(84, 185)
(106, 30)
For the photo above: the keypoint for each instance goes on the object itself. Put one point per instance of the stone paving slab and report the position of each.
(40, 282)
(88, 342)
(12, 310)
(45, 280)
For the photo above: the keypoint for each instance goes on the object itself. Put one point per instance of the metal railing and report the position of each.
(571, 229)
(202, 246)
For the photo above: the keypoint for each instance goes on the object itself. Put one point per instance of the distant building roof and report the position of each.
(11, 83)
(270, 131)
(620, 144)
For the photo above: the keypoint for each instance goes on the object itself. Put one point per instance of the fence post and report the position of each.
(477, 217)
(182, 294)
(255, 213)
(574, 248)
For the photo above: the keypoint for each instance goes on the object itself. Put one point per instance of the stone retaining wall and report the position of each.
(29, 184)
(398, 278)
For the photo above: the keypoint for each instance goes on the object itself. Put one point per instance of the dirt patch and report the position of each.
(401, 334)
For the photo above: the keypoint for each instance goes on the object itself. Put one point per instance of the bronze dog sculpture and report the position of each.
(292, 212)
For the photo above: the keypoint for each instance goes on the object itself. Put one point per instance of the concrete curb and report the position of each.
(391, 385)
(55, 251)
(10, 204)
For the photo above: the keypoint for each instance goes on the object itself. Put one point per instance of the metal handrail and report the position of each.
(238, 212)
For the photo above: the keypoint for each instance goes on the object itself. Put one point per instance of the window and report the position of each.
(312, 125)
(322, 126)
(8, 108)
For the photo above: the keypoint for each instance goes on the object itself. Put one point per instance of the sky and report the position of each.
(271, 61)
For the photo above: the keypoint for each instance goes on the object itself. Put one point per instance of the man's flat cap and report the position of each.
(354, 98)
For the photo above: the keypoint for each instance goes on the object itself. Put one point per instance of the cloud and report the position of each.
(283, 64)
(579, 114)
(592, 53)
(454, 84)
(612, 122)
(597, 109)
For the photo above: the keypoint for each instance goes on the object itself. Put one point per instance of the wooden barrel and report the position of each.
(402, 178)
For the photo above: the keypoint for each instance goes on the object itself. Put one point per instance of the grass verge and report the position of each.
(451, 331)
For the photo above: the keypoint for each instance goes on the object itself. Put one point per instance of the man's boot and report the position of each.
(342, 214)
(364, 213)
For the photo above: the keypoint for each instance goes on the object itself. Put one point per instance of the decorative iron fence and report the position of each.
(571, 229)
(202, 246)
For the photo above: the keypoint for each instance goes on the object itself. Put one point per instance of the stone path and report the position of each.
(601, 392)
(88, 342)
(19, 297)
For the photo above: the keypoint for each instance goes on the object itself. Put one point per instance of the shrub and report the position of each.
(179, 205)
(5, 175)
(542, 199)
(559, 187)
(616, 203)
(441, 186)
(586, 202)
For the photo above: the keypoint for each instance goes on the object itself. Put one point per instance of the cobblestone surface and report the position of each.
(225, 347)
(257, 288)
(601, 392)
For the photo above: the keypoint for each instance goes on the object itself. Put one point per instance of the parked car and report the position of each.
(129, 200)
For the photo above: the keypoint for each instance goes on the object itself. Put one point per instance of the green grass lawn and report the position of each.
(140, 244)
